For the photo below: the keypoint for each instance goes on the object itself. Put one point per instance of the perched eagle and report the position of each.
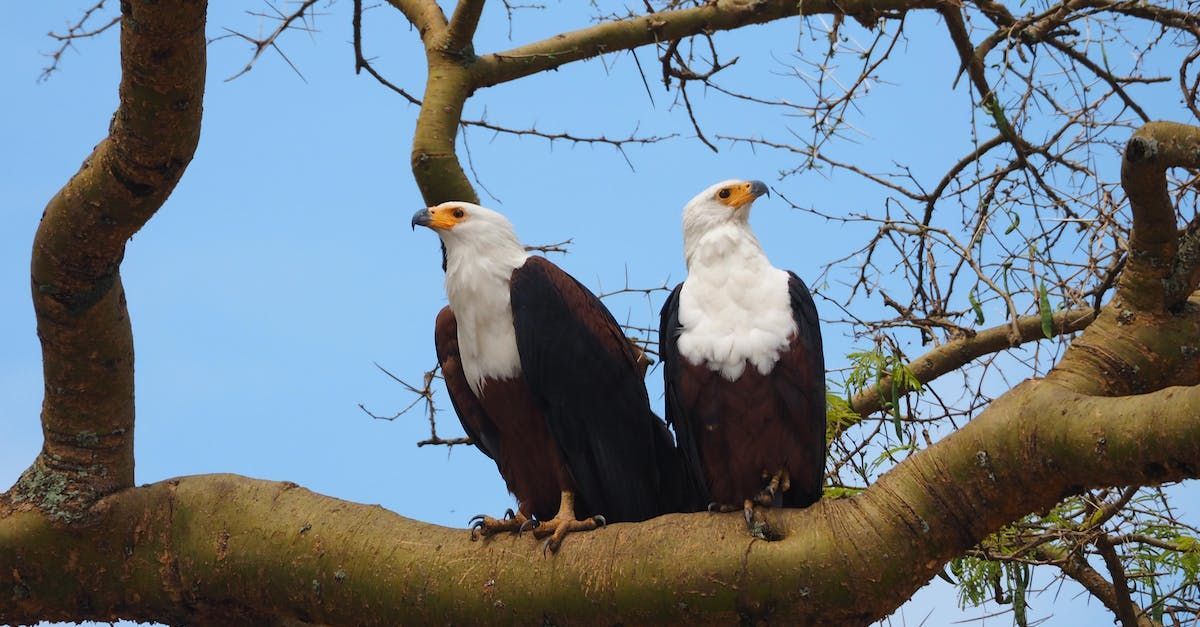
(743, 367)
(545, 383)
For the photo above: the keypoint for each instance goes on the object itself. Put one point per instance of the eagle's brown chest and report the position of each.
(529, 456)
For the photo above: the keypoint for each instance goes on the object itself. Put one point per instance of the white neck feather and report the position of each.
(734, 307)
(478, 277)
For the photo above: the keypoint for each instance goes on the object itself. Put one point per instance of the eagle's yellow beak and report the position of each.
(435, 218)
(741, 194)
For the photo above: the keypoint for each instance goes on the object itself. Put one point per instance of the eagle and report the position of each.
(546, 384)
(742, 363)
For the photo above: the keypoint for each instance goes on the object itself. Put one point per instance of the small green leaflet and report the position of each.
(896, 407)
(1016, 221)
(979, 319)
(993, 107)
(1044, 310)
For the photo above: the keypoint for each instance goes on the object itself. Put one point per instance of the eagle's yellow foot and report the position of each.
(564, 522)
(485, 526)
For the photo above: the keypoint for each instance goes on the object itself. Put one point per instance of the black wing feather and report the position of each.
(808, 330)
(685, 440)
(583, 373)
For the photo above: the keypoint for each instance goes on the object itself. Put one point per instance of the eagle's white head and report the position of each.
(468, 228)
(734, 307)
(722, 207)
(481, 251)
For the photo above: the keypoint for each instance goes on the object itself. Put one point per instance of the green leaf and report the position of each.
(997, 111)
(1016, 221)
(1046, 312)
(896, 407)
(841, 492)
(979, 319)
(889, 454)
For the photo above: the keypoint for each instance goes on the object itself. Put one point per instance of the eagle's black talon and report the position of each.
(509, 514)
(532, 523)
(749, 514)
(600, 520)
(477, 519)
(476, 527)
(546, 546)
(714, 507)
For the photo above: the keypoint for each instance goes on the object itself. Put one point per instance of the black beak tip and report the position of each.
(420, 218)
(759, 188)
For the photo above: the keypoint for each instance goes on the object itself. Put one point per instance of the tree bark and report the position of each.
(82, 320)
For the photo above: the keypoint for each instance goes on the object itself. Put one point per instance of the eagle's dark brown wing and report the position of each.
(585, 377)
(474, 419)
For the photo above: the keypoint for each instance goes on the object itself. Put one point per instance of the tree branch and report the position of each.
(425, 15)
(1125, 610)
(626, 34)
(199, 549)
(462, 26)
(1153, 244)
(83, 323)
(75, 32)
(957, 353)
(362, 63)
(1077, 568)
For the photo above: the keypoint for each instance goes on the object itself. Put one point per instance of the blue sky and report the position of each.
(283, 266)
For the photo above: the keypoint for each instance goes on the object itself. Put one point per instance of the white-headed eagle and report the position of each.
(743, 367)
(545, 383)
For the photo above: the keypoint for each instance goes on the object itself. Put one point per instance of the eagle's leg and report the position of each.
(770, 496)
(777, 484)
(482, 525)
(564, 522)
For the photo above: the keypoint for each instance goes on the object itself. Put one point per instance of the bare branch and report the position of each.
(1077, 568)
(75, 32)
(1125, 610)
(362, 63)
(287, 21)
(557, 247)
(956, 353)
(423, 394)
(632, 32)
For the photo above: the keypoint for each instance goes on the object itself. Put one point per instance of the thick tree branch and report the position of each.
(1145, 337)
(83, 323)
(1153, 244)
(425, 15)
(626, 34)
(435, 164)
(462, 26)
(200, 549)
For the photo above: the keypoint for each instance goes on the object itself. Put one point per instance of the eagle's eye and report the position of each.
(723, 193)
(459, 213)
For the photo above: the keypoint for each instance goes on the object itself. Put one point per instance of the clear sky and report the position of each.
(283, 266)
